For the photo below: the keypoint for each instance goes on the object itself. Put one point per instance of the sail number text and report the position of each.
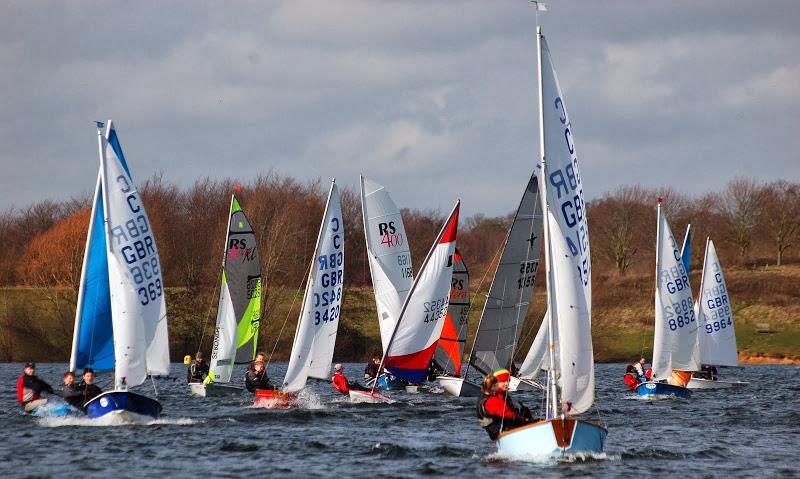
(327, 292)
(527, 274)
(435, 310)
(135, 242)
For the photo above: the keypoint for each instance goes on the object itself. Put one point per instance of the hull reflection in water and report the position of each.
(554, 437)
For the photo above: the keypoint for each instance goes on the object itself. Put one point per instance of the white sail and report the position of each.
(675, 343)
(512, 286)
(413, 341)
(223, 351)
(570, 278)
(137, 289)
(312, 350)
(388, 253)
(537, 358)
(717, 338)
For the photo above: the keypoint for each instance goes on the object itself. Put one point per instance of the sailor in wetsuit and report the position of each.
(198, 369)
(256, 378)
(88, 388)
(71, 393)
(371, 371)
(496, 411)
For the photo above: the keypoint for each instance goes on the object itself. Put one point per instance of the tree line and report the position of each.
(750, 223)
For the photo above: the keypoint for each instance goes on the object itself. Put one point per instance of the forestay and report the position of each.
(570, 281)
(315, 337)
(717, 338)
(512, 286)
(138, 310)
(419, 326)
(675, 343)
(450, 347)
(388, 253)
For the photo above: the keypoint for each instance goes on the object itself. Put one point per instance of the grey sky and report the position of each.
(435, 99)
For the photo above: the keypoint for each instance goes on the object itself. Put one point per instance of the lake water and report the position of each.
(753, 431)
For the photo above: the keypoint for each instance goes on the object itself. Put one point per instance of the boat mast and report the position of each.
(552, 395)
(658, 269)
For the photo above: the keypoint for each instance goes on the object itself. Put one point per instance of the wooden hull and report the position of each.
(214, 390)
(456, 386)
(127, 405)
(653, 390)
(553, 437)
(699, 383)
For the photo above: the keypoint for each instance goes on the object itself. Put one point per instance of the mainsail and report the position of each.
(315, 337)
(450, 347)
(419, 327)
(239, 309)
(138, 310)
(510, 293)
(675, 342)
(388, 253)
(717, 338)
(569, 280)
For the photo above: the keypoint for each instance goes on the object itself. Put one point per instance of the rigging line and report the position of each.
(205, 322)
(285, 320)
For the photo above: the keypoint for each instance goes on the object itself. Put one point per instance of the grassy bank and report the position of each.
(36, 323)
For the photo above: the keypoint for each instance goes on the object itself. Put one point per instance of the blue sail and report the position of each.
(95, 344)
(686, 249)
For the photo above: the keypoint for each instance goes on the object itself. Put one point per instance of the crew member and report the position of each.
(198, 369)
(256, 378)
(372, 370)
(496, 411)
(30, 387)
(89, 389)
(341, 384)
(635, 374)
(71, 393)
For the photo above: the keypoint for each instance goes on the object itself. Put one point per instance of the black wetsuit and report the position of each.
(89, 391)
(73, 395)
(371, 371)
(197, 372)
(254, 380)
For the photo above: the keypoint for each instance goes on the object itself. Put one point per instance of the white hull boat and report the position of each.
(700, 383)
(213, 390)
(369, 397)
(456, 386)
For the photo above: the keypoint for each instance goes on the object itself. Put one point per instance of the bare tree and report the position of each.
(781, 216)
(621, 222)
(739, 204)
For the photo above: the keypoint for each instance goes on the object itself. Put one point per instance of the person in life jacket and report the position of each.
(496, 411)
(198, 369)
(635, 374)
(371, 371)
(256, 378)
(341, 384)
(71, 392)
(88, 388)
(30, 387)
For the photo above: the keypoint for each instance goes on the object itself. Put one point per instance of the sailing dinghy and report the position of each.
(418, 328)
(121, 317)
(239, 310)
(450, 347)
(717, 337)
(570, 389)
(389, 260)
(509, 296)
(675, 351)
(315, 336)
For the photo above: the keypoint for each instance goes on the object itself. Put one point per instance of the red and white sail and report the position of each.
(419, 326)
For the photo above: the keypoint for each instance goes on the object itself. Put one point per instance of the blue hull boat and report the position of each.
(655, 390)
(390, 384)
(553, 437)
(127, 404)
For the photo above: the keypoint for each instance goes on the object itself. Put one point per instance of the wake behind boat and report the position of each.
(120, 319)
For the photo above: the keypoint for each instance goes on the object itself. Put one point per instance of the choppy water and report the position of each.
(750, 432)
